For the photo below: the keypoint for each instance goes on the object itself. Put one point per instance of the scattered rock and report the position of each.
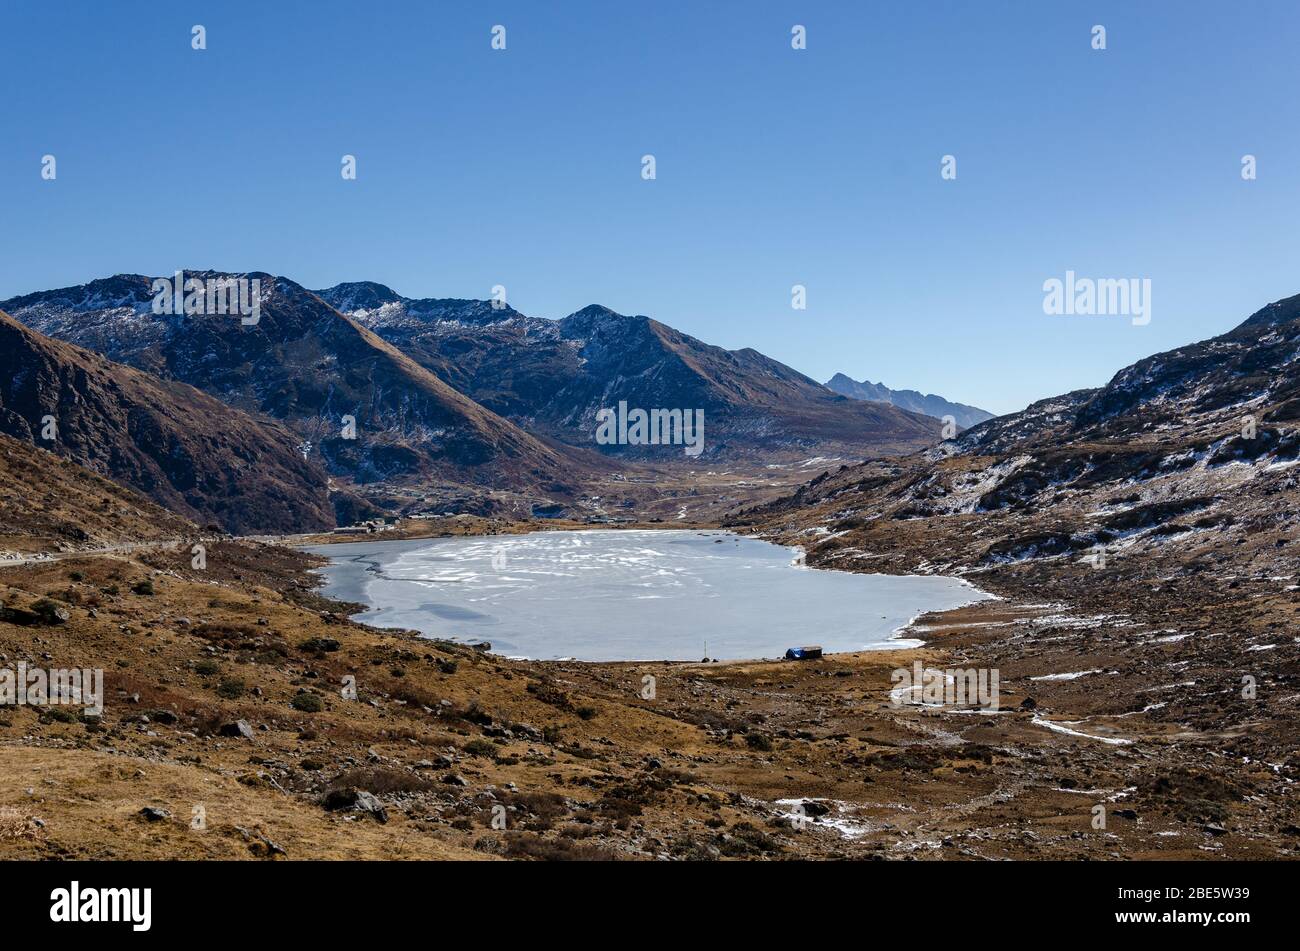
(260, 845)
(18, 616)
(366, 802)
(320, 645)
(51, 612)
(239, 728)
(337, 800)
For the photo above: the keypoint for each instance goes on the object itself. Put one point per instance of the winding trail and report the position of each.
(11, 559)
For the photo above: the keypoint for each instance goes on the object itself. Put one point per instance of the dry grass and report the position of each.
(16, 824)
(674, 776)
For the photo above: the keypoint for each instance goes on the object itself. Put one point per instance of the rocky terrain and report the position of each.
(309, 366)
(965, 416)
(1156, 517)
(193, 454)
(552, 376)
(229, 732)
(49, 503)
(1141, 537)
(456, 405)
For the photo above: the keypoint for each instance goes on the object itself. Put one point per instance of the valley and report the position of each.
(400, 407)
(447, 752)
(1139, 537)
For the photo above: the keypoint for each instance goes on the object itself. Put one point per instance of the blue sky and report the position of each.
(775, 167)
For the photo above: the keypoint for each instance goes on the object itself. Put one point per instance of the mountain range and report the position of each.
(191, 453)
(553, 376)
(364, 401)
(926, 403)
(1140, 536)
(1195, 449)
(303, 363)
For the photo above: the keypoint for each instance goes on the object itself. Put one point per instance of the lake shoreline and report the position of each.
(636, 760)
(639, 586)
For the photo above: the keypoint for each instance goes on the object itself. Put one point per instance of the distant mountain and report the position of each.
(461, 405)
(929, 404)
(310, 366)
(187, 451)
(553, 376)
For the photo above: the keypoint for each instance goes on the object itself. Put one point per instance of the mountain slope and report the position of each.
(554, 376)
(927, 403)
(186, 451)
(1196, 449)
(47, 501)
(310, 366)
(1145, 533)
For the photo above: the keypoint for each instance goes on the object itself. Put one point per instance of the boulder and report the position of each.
(366, 802)
(358, 800)
(337, 799)
(50, 612)
(239, 728)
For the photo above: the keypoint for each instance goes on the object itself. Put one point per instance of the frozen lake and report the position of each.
(627, 595)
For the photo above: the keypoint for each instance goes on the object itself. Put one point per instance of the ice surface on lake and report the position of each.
(627, 595)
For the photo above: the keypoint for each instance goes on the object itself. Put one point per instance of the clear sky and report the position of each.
(775, 167)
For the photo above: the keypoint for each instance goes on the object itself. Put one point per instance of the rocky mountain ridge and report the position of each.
(189, 452)
(554, 376)
(925, 403)
(1198, 446)
(359, 406)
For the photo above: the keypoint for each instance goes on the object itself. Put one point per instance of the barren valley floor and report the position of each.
(225, 734)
